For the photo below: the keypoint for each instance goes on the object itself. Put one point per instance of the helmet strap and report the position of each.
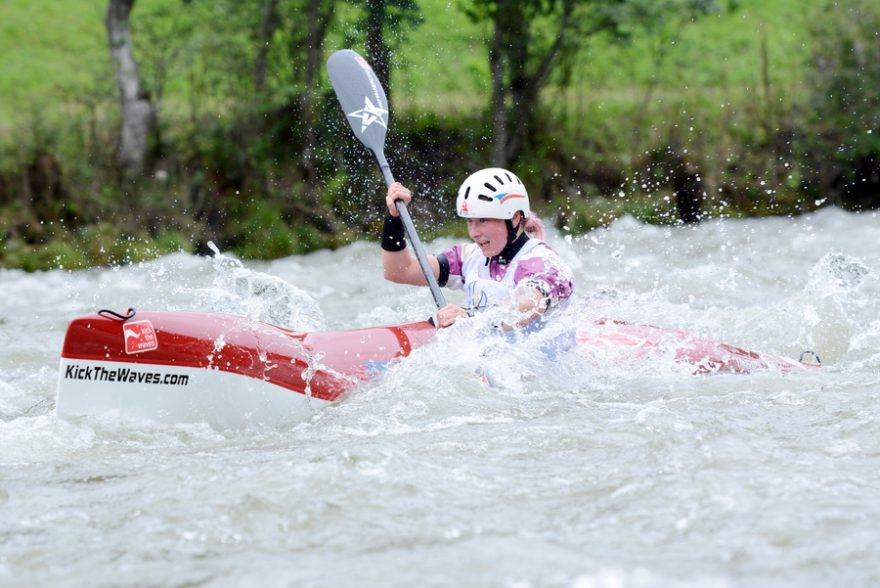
(511, 231)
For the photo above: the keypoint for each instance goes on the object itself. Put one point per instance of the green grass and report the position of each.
(50, 52)
(53, 53)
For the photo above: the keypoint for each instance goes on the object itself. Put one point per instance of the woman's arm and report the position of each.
(540, 285)
(529, 303)
(401, 267)
(398, 264)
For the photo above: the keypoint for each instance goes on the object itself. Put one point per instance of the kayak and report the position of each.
(231, 371)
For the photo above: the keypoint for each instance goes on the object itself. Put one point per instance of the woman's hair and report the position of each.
(534, 227)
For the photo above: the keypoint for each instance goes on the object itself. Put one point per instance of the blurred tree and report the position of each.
(163, 31)
(530, 39)
(319, 14)
(268, 26)
(520, 63)
(395, 16)
(138, 113)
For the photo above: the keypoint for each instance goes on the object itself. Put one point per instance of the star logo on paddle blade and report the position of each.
(369, 114)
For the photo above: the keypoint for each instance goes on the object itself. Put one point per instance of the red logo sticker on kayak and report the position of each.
(139, 336)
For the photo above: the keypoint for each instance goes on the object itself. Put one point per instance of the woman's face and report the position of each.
(490, 234)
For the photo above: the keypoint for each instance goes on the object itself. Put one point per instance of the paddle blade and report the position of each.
(361, 96)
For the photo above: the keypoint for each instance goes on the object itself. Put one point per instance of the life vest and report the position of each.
(482, 288)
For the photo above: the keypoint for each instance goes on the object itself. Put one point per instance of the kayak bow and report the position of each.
(186, 366)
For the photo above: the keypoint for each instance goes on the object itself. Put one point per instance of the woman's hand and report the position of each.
(397, 191)
(450, 313)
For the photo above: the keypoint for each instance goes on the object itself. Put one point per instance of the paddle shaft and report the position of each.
(412, 235)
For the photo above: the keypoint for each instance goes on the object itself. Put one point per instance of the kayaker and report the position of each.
(507, 264)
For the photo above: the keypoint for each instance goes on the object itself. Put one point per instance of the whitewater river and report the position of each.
(562, 475)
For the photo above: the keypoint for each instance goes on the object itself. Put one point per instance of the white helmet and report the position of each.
(492, 193)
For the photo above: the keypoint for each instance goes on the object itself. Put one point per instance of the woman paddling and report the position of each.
(508, 264)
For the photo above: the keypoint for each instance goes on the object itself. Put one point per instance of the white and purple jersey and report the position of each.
(488, 282)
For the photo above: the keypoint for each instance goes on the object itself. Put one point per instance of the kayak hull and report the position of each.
(177, 394)
(232, 371)
(624, 343)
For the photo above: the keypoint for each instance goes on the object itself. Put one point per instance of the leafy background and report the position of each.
(683, 110)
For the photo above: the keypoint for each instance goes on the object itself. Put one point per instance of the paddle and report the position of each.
(365, 106)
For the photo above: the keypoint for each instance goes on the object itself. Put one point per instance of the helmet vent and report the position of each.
(467, 192)
(500, 181)
(484, 197)
(490, 186)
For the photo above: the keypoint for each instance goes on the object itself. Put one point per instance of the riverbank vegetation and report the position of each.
(214, 120)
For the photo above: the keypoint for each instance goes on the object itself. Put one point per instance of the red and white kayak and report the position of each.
(628, 343)
(231, 371)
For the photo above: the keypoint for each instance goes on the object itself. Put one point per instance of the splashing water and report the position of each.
(258, 296)
(558, 472)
